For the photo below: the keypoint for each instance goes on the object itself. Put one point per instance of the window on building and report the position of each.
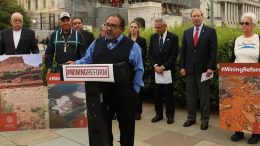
(29, 5)
(52, 3)
(36, 4)
(44, 3)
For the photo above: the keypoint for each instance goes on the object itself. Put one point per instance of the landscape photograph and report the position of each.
(239, 103)
(22, 91)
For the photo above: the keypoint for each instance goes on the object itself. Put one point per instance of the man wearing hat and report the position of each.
(64, 44)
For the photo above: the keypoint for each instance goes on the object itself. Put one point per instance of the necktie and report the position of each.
(196, 36)
(110, 46)
(161, 43)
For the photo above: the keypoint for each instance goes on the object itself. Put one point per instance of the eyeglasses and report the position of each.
(244, 23)
(112, 26)
(75, 23)
(17, 20)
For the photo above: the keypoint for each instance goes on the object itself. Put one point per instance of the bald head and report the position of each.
(17, 21)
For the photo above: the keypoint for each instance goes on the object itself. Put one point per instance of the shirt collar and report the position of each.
(200, 27)
(61, 32)
(164, 34)
(117, 40)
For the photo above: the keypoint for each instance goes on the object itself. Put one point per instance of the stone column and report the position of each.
(232, 12)
(243, 8)
(225, 12)
(237, 14)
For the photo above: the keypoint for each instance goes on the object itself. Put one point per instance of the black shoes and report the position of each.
(170, 120)
(237, 136)
(138, 117)
(156, 119)
(254, 139)
(204, 126)
(188, 123)
(240, 135)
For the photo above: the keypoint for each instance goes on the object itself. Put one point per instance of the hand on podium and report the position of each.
(70, 62)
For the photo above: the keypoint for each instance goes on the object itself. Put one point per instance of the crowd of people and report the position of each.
(73, 45)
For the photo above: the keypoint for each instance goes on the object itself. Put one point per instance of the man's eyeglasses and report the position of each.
(244, 23)
(112, 26)
(75, 23)
(17, 20)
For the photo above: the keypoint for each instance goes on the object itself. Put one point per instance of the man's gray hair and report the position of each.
(196, 9)
(161, 20)
(251, 16)
(16, 14)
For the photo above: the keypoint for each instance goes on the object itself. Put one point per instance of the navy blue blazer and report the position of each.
(197, 60)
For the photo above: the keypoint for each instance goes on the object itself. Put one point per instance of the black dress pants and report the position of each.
(161, 91)
(123, 102)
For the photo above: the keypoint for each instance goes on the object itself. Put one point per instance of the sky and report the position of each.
(32, 59)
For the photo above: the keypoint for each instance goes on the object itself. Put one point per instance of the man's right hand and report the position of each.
(183, 72)
(70, 62)
(48, 71)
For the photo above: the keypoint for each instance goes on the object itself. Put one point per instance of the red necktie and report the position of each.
(196, 36)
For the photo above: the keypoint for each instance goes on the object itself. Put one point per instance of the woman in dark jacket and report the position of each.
(135, 36)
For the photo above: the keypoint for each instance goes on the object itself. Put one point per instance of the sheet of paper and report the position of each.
(165, 78)
(204, 77)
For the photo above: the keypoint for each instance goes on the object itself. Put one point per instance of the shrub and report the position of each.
(226, 36)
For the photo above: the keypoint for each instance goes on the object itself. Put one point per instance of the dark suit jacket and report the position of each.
(167, 57)
(88, 38)
(142, 43)
(27, 43)
(197, 60)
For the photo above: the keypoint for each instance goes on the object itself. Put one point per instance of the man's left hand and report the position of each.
(209, 72)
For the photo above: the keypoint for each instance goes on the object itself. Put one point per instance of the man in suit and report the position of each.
(162, 54)
(88, 37)
(198, 55)
(18, 40)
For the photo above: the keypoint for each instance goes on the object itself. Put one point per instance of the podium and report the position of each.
(94, 76)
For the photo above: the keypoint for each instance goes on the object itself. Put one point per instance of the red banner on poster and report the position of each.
(54, 78)
(238, 69)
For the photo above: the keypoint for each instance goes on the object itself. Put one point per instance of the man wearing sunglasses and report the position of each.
(119, 98)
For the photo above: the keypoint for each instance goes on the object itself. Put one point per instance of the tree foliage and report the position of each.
(7, 8)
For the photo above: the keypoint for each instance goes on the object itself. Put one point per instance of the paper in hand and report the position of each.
(165, 78)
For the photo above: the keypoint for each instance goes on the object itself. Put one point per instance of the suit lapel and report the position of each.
(157, 42)
(190, 35)
(21, 37)
(11, 38)
(166, 41)
(202, 34)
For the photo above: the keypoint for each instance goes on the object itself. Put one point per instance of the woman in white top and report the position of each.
(246, 50)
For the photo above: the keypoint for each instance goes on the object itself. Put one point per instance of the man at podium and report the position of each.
(119, 98)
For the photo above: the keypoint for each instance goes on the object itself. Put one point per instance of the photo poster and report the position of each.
(239, 97)
(67, 103)
(23, 96)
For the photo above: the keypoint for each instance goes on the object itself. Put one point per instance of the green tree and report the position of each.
(7, 8)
